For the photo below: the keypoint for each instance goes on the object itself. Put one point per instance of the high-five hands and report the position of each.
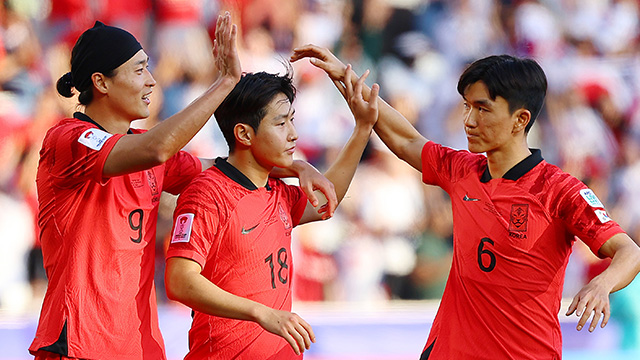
(225, 53)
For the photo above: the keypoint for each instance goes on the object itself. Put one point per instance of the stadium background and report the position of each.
(369, 280)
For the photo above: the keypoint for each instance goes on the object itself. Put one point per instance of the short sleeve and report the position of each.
(585, 216)
(77, 153)
(195, 223)
(179, 170)
(443, 166)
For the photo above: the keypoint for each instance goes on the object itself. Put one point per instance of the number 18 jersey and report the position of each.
(241, 236)
(512, 240)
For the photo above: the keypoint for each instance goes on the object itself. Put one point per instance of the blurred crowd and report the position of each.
(392, 236)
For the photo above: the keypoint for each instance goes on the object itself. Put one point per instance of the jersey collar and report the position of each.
(84, 117)
(519, 169)
(236, 175)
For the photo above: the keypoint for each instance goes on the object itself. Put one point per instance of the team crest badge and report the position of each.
(519, 217)
(153, 182)
(285, 219)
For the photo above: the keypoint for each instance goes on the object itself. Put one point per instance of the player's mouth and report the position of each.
(291, 150)
(146, 99)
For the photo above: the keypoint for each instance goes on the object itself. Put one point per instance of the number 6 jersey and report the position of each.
(241, 237)
(511, 242)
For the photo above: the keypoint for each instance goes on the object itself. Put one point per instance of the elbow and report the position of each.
(174, 286)
(158, 155)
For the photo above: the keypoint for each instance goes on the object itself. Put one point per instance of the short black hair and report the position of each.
(247, 102)
(521, 82)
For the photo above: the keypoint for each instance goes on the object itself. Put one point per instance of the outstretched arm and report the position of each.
(311, 180)
(393, 128)
(341, 172)
(185, 284)
(154, 147)
(594, 297)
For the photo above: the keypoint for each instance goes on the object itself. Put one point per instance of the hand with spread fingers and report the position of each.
(225, 52)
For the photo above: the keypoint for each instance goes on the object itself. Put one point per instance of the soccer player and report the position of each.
(515, 219)
(230, 252)
(99, 184)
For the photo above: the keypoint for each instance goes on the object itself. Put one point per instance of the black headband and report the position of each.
(100, 49)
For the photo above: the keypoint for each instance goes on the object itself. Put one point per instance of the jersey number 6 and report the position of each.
(483, 251)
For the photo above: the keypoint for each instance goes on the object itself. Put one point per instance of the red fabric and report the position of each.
(98, 243)
(512, 240)
(242, 239)
(186, 11)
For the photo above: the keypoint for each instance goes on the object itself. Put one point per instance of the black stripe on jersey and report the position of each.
(427, 352)
(84, 117)
(236, 175)
(519, 169)
(61, 345)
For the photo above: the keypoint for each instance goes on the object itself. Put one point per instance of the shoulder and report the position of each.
(445, 163)
(556, 179)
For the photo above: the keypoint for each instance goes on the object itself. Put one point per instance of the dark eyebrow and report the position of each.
(483, 102)
(293, 111)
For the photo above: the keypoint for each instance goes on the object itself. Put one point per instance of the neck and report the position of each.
(109, 120)
(501, 161)
(247, 164)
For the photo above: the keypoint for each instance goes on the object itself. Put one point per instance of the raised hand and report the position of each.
(365, 112)
(321, 58)
(290, 326)
(225, 53)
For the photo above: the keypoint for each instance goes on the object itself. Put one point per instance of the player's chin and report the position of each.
(285, 161)
(475, 147)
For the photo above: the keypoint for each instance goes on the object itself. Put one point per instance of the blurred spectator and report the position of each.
(391, 237)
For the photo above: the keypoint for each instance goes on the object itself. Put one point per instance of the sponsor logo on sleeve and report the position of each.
(602, 215)
(182, 228)
(591, 198)
(94, 138)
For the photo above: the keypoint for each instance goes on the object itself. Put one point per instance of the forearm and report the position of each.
(292, 171)
(172, 134)
(396, 132)
(341, 172)
(200, 294)
(624, 267)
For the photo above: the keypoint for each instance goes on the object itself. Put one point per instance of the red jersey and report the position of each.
(98, 242)
(241, 236)
(511, 242)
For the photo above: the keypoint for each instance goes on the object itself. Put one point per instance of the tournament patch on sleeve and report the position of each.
(182, 228)
(94, 138)
(602, 216)
(591, 198)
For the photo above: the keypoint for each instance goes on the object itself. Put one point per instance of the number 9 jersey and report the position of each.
(512, 238)
(98, 243)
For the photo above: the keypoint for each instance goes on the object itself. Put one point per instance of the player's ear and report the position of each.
(243, 133)
(522, 117)
(99, 83)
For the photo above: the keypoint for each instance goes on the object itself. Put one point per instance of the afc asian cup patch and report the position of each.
(602, 215)
(182, 228)
(519, 217)
(94, 138)
(591, 198)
